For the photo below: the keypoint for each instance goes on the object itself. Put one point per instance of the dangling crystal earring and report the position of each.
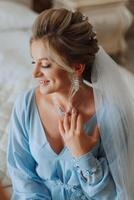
(75, 85)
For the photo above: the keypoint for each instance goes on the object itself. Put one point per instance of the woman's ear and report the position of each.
(79, 68)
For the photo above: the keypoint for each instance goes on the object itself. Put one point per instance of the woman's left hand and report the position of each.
(71, 130)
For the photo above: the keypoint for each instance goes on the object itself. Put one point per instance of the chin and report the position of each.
(44, 90)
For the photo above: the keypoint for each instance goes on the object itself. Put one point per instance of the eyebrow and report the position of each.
(43, 59)
(40, 59)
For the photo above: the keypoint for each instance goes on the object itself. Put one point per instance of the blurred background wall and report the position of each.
(28, 3)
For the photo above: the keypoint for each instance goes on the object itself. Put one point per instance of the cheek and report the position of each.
(59, 76)
(64, 76)
(64, 79)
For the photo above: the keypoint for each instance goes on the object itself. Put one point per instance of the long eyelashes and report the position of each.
(47, 66)
(43, 66)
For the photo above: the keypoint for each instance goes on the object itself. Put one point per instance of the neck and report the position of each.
(64, 103)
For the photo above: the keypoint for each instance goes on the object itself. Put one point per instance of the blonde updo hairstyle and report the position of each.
(69, 37)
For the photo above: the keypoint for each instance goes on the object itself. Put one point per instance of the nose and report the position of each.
(36, 72)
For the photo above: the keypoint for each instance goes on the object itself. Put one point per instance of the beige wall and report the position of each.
(26, 2)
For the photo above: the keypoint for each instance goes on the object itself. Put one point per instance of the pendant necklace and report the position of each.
(60, 111)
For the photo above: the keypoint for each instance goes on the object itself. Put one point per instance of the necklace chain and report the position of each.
(60, 111)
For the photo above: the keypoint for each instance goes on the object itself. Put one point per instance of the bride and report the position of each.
(72, 135)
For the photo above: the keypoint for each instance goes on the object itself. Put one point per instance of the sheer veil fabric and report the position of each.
(116, 122)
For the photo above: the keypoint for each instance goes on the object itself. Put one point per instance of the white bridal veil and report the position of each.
(116, 123)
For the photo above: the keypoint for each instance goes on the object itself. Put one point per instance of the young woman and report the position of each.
(65, 138)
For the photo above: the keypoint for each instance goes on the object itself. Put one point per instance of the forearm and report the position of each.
(95, 177)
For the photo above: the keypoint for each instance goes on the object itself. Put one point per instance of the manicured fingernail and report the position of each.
(68, 113)
(74, 111)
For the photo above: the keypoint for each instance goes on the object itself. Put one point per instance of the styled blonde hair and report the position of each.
(69, 37)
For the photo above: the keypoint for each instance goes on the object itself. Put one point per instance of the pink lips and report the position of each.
(42, 82)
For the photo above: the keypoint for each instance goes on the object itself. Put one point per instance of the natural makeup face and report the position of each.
(51, 77)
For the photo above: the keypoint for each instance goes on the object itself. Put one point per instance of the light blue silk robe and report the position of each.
(38, 173)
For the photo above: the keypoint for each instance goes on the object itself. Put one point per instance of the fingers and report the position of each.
(73, 119)
(66, 122)
(79, 124)
(61, 127)
(71, 123)
(96, 133)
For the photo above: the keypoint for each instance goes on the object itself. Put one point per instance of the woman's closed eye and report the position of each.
(42, 65)
(45, 66)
